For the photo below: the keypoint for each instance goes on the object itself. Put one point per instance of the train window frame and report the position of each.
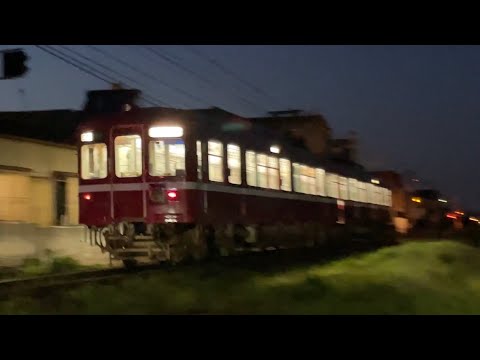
(320, 179)
(235, 177)
(138, 157)
(273, 173)
(262, 175)
(219, 155)
(166, 154)
(251, 167)
(333, 178)
(102, 170)
(199, 160)
(285, 176)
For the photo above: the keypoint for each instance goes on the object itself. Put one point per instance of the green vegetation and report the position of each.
(440, 277)
(50, 265)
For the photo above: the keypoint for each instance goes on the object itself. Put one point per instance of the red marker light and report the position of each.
(87, 196)
(172, 194)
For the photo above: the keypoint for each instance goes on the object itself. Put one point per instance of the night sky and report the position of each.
(413, 107)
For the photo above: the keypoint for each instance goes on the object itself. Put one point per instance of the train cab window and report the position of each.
(199, 160)
(332, 185)
(234, 164)
(273, 173)
(320, 180)
(285, 175)
(128, 156)
(251, 167)
(353, 189)
(262, 176)
(94, 161)
(215, 161)
(166, 157)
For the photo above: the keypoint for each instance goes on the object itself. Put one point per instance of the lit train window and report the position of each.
(352, 189)
(362, 191)
(199, 160)
(370, 193)
(332, 185)
(166, 157)
(343, 187)
(262, 177)
(234, 164)
(128, 156)
(307, 179)
(285, 175)
(251, 166)
(320, 181)
(388, 198)
(94, 161)
(273, 173)
(215, 161)
(297, 184)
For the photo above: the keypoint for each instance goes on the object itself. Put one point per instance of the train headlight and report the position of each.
(165, 132)
(172, 194)
(87, 136)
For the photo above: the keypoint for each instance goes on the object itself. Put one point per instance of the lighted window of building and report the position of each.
(251, 167)
(215, 161)
(320, 181)
(166, 157)
(285, 175)
(128, 156)
(94, 161)
(234, 164)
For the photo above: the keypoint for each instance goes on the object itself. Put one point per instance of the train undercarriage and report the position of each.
(139, 243)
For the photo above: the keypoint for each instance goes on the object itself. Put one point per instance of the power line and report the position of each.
(188, 70)
(87, 69)
(147, 75)
(150, 99)
(228, 71)
(101, 65)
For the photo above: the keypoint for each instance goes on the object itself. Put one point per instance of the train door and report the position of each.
(128, 188)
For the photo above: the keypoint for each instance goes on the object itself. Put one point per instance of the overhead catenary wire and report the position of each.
(147, 75)
(229, 72)
(90, 70)
(186, 69)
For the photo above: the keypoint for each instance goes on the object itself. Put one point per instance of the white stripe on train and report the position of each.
(227, 189)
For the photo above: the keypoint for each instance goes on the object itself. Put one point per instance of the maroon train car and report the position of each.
(165, 184)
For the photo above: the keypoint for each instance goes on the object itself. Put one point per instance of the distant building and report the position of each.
(38, 167)
(309, 130)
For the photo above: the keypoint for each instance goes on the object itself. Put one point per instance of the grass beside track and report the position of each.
(436, 277)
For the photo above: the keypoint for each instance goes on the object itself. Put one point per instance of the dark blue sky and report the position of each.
(414, 107)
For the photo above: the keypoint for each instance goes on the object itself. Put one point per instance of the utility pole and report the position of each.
(12, 64)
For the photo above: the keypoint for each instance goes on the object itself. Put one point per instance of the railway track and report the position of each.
(39, 285)
(279, 260)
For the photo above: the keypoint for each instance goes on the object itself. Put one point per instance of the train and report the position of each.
(165, 184)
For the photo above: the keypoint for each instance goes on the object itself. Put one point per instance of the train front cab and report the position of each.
(131, 181)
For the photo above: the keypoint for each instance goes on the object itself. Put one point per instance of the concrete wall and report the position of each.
(19, 241)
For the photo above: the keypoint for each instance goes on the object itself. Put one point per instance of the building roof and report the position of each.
(56, 126)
